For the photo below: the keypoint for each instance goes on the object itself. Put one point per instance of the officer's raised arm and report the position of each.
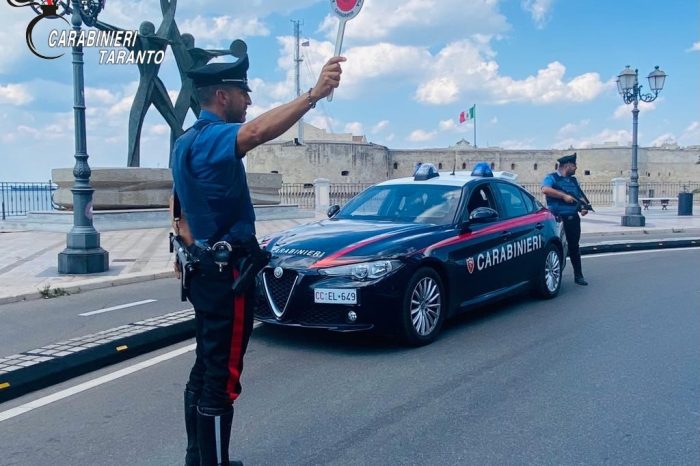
(274, 122)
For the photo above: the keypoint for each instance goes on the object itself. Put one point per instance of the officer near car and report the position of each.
(566, 200)
(214, 224)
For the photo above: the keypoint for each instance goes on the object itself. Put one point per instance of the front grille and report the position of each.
(322, 315)
(279, 289)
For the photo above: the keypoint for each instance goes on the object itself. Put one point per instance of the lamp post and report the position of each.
(631, 92)
(83, 253)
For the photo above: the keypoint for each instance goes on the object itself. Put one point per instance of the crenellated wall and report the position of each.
(346, 162)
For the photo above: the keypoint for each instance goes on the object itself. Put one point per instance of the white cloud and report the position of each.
(694, 48)
(438, 91)
(15, 94)
(625, 111)
(548, 87)
(158, 130)
(690, 135)
(540, 10)
(446, 125)
(572, 128)
(100, 96)
(354, 128)
(223, 28)
(514, 144)
(379, 127)
(666, 138)
(409, 20)
(420, 135)
(619, 137)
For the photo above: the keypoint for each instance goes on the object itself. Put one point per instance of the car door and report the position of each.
(472, 275)
(522, 241)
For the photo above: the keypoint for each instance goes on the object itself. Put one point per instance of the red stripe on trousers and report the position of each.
(235, 358)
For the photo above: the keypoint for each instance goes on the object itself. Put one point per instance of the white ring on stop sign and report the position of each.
(344, 10)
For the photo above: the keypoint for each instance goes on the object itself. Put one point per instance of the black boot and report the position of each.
(192, 455)
(579, 280)
(213, 435)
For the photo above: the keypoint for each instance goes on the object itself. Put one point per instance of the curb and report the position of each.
(43, 373)
(639, 245)
(88, 285)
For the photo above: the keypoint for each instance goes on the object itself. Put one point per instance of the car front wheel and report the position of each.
(423, 310)
(549, 273)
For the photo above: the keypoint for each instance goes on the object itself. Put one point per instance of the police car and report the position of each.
(406, 254)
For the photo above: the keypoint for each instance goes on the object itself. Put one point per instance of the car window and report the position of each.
(481, 196)
(529, 202)
(410, 203)
(513, 202)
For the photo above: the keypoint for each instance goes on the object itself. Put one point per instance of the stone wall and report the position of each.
(370, 163)
(339, 162)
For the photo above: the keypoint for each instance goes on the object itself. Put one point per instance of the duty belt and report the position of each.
(221, 252)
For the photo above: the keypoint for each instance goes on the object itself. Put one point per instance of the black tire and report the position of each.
(423, 308)
(549, 272)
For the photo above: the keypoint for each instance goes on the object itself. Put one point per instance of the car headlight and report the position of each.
(363, 270)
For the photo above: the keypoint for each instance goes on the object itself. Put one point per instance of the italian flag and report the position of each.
(468, 115)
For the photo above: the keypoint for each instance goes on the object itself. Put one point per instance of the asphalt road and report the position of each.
(604, 374)
(32, 324)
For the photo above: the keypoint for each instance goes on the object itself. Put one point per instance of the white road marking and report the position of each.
(32, 405)
(649, 251)
(116, 308)
(25, 408)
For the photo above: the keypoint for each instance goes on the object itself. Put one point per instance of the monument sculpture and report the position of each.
(134, 187)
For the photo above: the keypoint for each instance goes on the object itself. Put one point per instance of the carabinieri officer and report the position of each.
(214, 216)
(564, 196)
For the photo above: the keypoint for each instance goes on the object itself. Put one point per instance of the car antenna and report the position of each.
(454, 166)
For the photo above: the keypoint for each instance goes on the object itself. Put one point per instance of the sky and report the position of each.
(540, 72)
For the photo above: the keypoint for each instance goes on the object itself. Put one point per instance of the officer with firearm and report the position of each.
(214, 225)
(566, 199)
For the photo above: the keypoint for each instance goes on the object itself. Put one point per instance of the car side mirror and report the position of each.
(483, 215)
(332, 210)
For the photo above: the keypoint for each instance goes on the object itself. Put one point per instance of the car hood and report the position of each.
(336, 242)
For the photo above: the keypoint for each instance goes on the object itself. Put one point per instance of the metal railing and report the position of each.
(600, 193)
(18, 198)
(340, 193)
(301, 194)
(669, 189)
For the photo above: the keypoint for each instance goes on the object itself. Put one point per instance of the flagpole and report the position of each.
(474, 126)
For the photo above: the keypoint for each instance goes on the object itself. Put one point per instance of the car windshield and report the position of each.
(404, 203)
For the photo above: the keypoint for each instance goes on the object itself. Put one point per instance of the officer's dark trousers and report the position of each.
(224, 323)
(572, 229)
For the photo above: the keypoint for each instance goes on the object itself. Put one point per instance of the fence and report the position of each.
(20, 198)
(599, 193)
(303, 194)
(669, 189)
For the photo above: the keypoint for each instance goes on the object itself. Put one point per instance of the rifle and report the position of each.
(584, 204)
(255, 259)
(187, 263)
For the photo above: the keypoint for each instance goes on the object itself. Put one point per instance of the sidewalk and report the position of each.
(28, 259)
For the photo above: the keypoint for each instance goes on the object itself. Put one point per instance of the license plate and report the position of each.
(335, 296)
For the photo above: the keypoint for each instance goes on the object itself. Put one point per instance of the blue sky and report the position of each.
(541, 73)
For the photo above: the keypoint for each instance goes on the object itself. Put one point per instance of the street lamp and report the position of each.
(631, 92)
(83, 253)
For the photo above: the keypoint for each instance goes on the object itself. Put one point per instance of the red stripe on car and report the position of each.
(540, 216)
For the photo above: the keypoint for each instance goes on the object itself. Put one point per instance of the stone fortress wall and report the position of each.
(350, 159)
